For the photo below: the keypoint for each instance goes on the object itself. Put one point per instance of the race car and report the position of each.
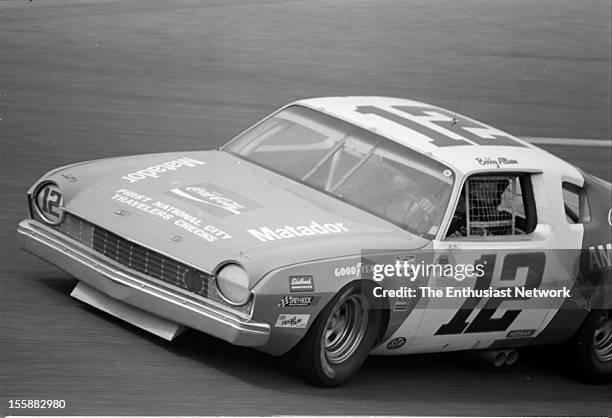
(340, 227)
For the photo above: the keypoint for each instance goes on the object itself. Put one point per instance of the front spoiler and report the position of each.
(125, 286)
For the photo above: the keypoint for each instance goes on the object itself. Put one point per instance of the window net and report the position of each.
(492, 205)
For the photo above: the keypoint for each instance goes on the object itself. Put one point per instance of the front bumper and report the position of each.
(130, 287)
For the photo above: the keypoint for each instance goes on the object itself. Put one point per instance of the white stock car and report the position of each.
(272, 240)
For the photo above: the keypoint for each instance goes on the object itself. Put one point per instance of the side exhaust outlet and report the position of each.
(499, 357)
(512, 357)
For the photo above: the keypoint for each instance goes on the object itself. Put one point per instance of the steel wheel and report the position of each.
(602, 337)
(339, 341)
(345, 328)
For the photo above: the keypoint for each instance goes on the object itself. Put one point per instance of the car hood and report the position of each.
(206, 208)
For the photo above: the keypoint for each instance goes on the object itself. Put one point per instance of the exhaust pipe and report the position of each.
(499, 357)
(495, 357)
(512, 357)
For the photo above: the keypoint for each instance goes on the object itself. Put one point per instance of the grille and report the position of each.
(149, 262)
(135, 256)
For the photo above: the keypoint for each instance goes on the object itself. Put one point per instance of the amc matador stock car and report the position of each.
(273, 240)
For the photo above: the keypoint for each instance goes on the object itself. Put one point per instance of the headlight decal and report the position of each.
(49, 203)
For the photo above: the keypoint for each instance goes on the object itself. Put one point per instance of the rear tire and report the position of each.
(340, 339)
(593, 347)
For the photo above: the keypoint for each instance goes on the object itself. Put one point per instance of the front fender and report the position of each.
(299, 291)
(290, 309)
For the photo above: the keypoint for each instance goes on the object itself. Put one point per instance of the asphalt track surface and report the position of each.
(86, 80)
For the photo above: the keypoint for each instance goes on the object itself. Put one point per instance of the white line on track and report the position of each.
(569, 141)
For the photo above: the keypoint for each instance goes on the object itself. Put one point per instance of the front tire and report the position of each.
(340, 339)
(593, 347)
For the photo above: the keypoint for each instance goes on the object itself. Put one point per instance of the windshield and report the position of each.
(351, 164)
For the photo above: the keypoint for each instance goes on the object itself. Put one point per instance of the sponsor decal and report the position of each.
(296, 301)
(407, 261)
(600, 257)
(215, 199)
(517, 333)
(313, 228)
(301, 284)
(496, 162)
(292, 321)
(354, 270)
(396, 343)
(401, 305)
(166, 212)
(155, 170)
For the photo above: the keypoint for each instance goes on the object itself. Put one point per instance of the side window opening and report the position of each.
(494, 205)
(576, 204)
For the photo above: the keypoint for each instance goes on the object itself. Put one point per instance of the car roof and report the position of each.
(497, 150)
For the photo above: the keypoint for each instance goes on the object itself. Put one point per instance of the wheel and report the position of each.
(340, 339)
(593, 347)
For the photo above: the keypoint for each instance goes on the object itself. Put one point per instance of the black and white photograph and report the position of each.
(306, 208)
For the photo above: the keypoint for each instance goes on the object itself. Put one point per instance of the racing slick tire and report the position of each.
(593, 347)
(339, 341)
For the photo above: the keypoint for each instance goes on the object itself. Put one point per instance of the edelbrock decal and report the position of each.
(313, 228)
(155, 170)
(301, 284)
(215, 199)
(292, 321)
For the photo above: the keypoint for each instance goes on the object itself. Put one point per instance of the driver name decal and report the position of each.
(495, 162)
